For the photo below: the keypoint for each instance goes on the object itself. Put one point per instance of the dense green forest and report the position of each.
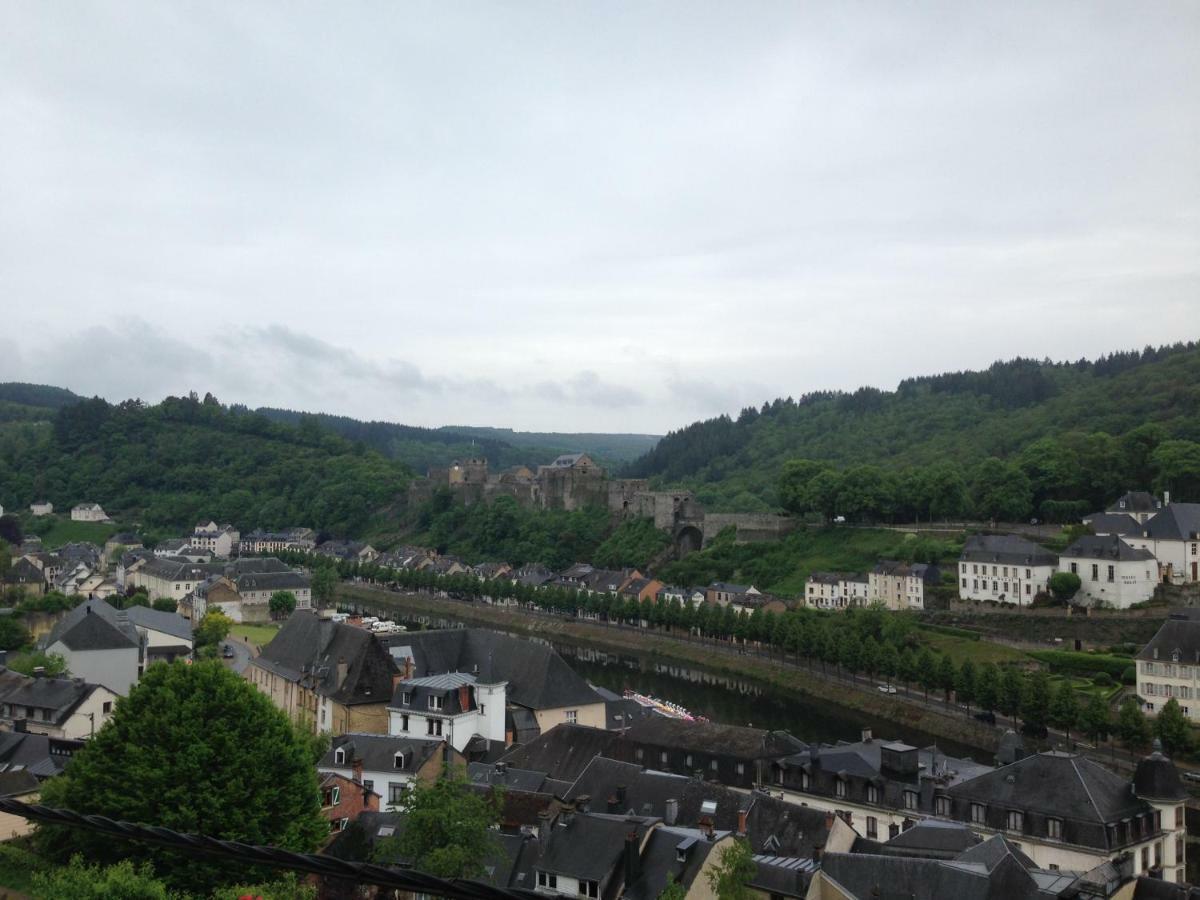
(424, 448)
(185, 459)
(503, 530)
(1078, 431)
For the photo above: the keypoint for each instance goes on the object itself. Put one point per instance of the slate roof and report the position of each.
(1156, 778)
(1114, 523)
(566, 460)
(933, 838)
(1107, 547)
(1055, 784)
(1006, 549)
(42, 756)
(589, 846)
(61, 696)
(512, 779)
(157, 620)
(563, 752)
(1135, 502)
(95, 625)
(272, 581)
(445, 686)
(378, 752)
(1176, 522)
(537, 677)
(660, 861)
(711, 737)
(18, 783)
(307, 650)
(1179, 633)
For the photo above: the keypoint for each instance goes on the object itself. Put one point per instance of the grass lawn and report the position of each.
(1084, 687)
(256, 634)
(64, 531)
(980, 651)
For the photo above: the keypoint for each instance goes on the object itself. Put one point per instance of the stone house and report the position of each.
(88, 512)
(901, 586)
(1004, 568)
(58, 707)
(41, 508)
(1173, 536)
(344, 799)
(1111, 573)
(388, 764)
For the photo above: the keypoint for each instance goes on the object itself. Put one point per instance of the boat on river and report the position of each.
(663, 707)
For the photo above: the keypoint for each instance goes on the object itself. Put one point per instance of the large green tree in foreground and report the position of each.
(197, 749)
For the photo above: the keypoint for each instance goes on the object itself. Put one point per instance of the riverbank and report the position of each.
(857, 695)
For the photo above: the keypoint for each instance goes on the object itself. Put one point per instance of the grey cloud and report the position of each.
(587, 389)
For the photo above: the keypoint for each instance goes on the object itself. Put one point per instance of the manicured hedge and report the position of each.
(952, 631)
(1068, 661)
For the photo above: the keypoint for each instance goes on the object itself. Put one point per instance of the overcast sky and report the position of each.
(587, 216)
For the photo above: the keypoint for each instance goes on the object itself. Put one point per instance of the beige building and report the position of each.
(1169, 666)
(88, 512)
(901, 586)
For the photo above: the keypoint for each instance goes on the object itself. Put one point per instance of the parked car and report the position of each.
(887, 689)
(227, 652)
(986, 716)
(1036, 731)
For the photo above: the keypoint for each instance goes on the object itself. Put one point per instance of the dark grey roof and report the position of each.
(272, 581)
(1115, 523)
(95, 625)
(933, 838)
(307, 649)
(511, 778)
(1107, 547)
(42, 756)
(1178, 634)
(1006, 549)
(563, 752)
(1156, 778)
(993, 851)
(378, 752)
(18, 783)
(537, 677)
(660, 861)
(783, 876)
(1135, 502)
(157, 620)
(731, 740)
(1176, 522)
(61, 696)
(589, 846)
(1055, 784)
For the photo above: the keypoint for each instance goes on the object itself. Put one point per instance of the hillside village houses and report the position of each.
(220, 540)
(1169, 665)
(900, 585)
(60, 707)
(1111, 573)
(388, 764)
(89, 512)
(41, 508)
(1004, 568)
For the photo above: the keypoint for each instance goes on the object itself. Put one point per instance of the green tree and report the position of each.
(324, 584)
(282, 604)
(164, 604)
(987, 687)
(965, 682)
(794, 483)
(1177, 464)
(1035, 704)
(730, 878)
(927, 673)
(1001, 491)
(1096, 720)
(673, 890)
(13, 634)
(213, 628)
(80, 881)
(1131, 723)
(1011, 691)
(1064, 707)
(946, 676)
(1065, 585)
(1172, 728)
(197, 749)
(52, 663)
(448, 827)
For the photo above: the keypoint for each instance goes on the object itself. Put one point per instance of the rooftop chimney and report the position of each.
(356, 769)
(464, 697)
(621, 796)
(543, 826)
(866, 735)
(706, 826)
(828, 821)
(741, 823)
(583, 802)
(671, 812)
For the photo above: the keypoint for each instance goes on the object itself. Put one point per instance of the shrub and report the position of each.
(1129, 676)
(1087, 664)
(1103, 679)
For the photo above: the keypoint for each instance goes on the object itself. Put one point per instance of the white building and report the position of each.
(1004, 568)
(901, 586)
(387, 764)
(41, 508)
(1169, 666)
(836, 590)
(452, 706)
(220, 540)
(88, 512)
(1112, 574)
(1173, 536)
(58, 707)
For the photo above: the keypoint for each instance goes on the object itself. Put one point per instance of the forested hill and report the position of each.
(959, 417)
(20, 402)
(168, 466)
(422, 448)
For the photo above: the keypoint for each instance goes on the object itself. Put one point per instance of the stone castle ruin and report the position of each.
(574, 481)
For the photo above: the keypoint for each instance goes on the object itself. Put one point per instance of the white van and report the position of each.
(368, 621)
(384, 626)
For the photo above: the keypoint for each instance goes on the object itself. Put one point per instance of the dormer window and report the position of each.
(398, 760)
(435, 701)
(406, 698)
(339, 756)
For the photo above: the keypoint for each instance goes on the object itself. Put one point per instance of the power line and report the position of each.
(272, 857)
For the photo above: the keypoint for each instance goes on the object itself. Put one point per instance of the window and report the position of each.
(872, 827)
(395, 793)
(713, 765)
(1179, 817)
(572, 716)
(805, 781)
(1028, 574)
(964, 582)
(1095, 571)
(404, 722)
(872, 794)
(406, 698)
(978, 814)
(941, 806)
(369, 785)
(589, 889)
(741, 768)
(433, 727)
(1054, 829)
(995, 587)
(1074, 568)
(547, 880)
(335, 796)
(1015, 821)
(839, 788)
(910, 799)
(1111, 574)
(687, 760)
(107, 707)
(398, 760)
(638, 754)
(339, 756)
(435, 701)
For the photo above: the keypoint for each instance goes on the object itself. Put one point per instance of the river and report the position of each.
(733, 700)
